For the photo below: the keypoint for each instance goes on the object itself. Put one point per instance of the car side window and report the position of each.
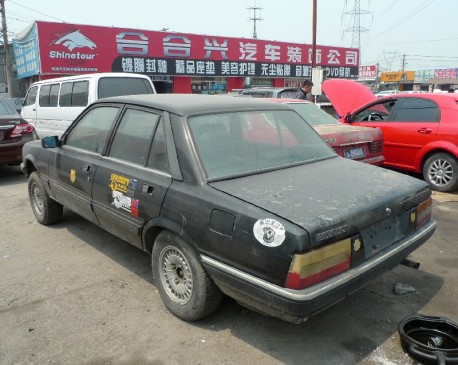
(417, 110)
(377, 112)
(133, 136)
(93, 129)
(31, 96)
(158, 155)
(43, 97)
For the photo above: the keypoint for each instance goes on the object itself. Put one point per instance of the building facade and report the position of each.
(176, 62)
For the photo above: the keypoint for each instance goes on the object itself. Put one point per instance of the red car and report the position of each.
(14, 133)
(420, 130)
(357, 143)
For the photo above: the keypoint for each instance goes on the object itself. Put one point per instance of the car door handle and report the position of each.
(87, 169)
(148, 189)
(425, 130)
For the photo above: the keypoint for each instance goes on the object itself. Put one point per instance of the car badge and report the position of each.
(387, 211)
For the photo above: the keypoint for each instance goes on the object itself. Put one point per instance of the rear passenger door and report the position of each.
(132, 179)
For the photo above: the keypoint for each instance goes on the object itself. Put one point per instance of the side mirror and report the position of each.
(50, 142)
(348, 118)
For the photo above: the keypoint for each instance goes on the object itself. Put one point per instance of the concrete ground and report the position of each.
(73, 294)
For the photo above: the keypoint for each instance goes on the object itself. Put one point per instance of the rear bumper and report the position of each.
(378, 161)
(11, 153)
(298, 305)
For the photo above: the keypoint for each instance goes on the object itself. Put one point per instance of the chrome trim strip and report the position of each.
(319, 289)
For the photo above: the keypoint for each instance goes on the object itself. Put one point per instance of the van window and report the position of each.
(53, 95)
(117, 86)
(80, 93)
(31, 96)
(43, 98)
(74, 93)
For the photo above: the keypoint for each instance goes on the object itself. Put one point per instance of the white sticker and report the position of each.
(269, 232)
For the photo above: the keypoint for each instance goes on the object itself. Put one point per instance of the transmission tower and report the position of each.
(356, 29)
(256, 17)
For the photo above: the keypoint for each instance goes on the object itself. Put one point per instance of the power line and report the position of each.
(35, 11)
(403, 20)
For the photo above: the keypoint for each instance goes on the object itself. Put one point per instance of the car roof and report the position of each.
(189, 104)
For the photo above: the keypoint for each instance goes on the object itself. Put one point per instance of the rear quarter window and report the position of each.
(417, 110)
(117, 86)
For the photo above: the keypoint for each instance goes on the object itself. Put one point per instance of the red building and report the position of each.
(176, 62)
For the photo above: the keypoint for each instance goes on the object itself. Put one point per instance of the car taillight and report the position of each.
(313, 267)
(21, 129)
(423, 212)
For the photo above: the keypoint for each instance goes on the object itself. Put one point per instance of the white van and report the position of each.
(52, 105)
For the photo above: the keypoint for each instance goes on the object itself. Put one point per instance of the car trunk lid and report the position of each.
(330, 199)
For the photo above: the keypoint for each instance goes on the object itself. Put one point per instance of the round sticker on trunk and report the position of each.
(269, 232)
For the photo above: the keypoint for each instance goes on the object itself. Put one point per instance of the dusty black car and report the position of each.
(273, 218)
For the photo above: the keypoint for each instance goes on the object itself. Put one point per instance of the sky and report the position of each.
(421, 34)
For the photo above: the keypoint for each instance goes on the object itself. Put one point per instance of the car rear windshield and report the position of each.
(244, 143)
(117, 86)
(312, 114)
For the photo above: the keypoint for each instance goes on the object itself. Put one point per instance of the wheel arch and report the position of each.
(28, 166)
(155, 226)
(448, 148)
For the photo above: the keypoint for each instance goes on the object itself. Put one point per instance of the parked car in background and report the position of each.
(270, 92)
(52, 105)
(14, 133)
(16, 103)
(271, 217)
(383, 93)
(420, 130)
(358, 143)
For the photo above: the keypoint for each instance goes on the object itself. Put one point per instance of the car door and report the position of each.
(132, 179)
(75, 162)
(408, 125)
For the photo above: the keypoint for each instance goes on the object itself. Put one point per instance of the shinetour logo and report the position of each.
(72, 40)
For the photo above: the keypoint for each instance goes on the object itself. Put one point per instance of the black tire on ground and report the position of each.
(46, 210)
(185, 288)
(441, 172)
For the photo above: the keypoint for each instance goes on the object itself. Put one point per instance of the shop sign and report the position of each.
(399, 76)
(182, 67)
(367, 72)
(446, 73)
(26, 54)
(73, 48)
(421, 76)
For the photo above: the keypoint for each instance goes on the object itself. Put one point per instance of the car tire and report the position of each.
(440, 171)
(46, 210)
(185, 288)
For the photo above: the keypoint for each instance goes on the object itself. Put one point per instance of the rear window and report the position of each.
(6, 108)
(117, 86)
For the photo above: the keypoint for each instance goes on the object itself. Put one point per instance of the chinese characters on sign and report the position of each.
(368, 72)
(71, 47)
(153, 66)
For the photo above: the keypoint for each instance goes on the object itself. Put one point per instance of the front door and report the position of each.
(75, 163)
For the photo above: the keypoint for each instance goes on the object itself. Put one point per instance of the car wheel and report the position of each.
(46, 210)
(441, 172)
(184, 286)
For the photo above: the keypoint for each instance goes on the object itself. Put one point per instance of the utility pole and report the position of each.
(8, 73)
(255, 18)
(403, 62)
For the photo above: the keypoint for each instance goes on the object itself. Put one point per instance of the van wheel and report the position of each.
(185, 288)
(45, 209)
(441, 172)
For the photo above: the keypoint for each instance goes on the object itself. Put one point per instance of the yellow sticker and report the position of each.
(72, 175)
(119, 183)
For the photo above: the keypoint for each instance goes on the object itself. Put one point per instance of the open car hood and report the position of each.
(347, 96)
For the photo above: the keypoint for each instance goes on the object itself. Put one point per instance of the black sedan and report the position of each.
(14, 133)
(272, 217)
